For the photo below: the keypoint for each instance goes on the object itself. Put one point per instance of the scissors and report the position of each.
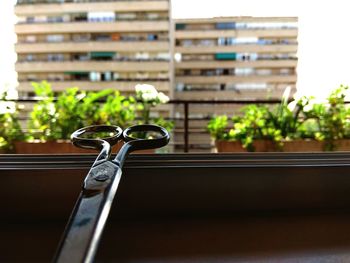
(84, 228)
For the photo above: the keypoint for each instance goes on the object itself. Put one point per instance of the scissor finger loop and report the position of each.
(96, 143)
(161, 139)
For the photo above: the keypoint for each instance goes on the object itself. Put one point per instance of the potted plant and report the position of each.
(10, 130)
(251, 132)
(52, 121)
(218, 129)
(328, 122)
(302, 125)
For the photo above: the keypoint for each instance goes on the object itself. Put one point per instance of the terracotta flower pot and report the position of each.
(49, 147)
(229, 146)
(61, 147)
(303, 146)
(315, 146)
(236, 146)
(342, 145)
(265, 146)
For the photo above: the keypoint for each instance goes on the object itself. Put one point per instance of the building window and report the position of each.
(228, 25)
(80, 17)
(107, 76)
(152, 37)
(32, 77)
(95, 76)
(142, 56)
(81, 37)
(126, 16)
(103, 37)
(31, 39)
(55, 57)
(30, 57)
(102, 55)
(54, 38)
(30, 19)
(101, 16)
(221, 41)
(55, 19)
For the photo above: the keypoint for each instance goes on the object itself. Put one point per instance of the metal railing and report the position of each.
(186, 109)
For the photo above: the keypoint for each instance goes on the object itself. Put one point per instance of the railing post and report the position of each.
(186, 126)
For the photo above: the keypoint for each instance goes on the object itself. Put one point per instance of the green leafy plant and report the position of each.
(255, 124)
(329, 121)
(76, 109)
(53, 119)
(56, 118)
(218, 127)
(43, 118)
(117, 110)
(10, 129)
(160, 121)
(259, 122)
(303, 118)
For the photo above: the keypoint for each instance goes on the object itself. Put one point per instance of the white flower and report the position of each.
(145, 88)
(286, 94)
(308, 107)
(51, 108)
(297, 95)
(292, 105)
(148, 96)
(162, 97)
(7, 107)
(12, 94)
(146, 92)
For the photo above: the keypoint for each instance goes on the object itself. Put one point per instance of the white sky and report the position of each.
(324, 35)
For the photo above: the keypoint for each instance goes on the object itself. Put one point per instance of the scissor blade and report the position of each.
(85, 226)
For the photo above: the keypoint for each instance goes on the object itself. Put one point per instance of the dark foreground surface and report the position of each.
(186, 208)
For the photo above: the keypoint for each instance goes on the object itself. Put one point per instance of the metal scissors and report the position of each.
(84, 228)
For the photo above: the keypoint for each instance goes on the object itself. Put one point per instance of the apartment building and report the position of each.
(232, 58)
(93, 44)
(97, 44)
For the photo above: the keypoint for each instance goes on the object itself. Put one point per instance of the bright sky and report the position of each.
(324, 35)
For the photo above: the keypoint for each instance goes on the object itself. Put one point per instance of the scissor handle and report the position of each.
(141, 143)
(94, 143)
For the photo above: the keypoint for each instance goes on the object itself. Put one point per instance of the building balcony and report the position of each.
(273, 91)
(120, 66)
(238, 48)
(236, 79)
(246, 19)
(123, 86)
(236, 64)
(209, 34)
(118, 46)
(45, 8)
(92, 27)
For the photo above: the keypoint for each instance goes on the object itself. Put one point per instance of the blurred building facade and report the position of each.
(254, 56)
(93, 44)
(96, 44)
(231, 58)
